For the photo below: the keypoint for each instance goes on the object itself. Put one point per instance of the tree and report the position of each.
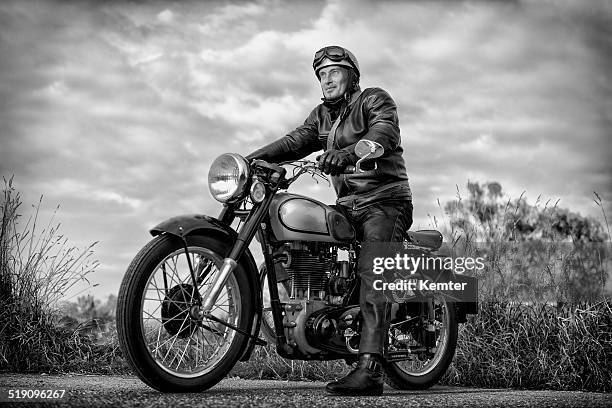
(486, 216)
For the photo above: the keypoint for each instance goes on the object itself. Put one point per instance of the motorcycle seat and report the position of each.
(428, 238)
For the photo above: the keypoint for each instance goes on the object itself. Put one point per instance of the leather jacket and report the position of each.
(370, 114)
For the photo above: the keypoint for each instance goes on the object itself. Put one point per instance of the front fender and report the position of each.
(183, 225)
(197, 224)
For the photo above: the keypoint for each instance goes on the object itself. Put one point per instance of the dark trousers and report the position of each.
(385, 221)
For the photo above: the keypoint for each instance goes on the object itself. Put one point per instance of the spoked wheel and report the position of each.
(164, 337)
(425, 367)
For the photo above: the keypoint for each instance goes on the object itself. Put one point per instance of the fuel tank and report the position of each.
(298, 218)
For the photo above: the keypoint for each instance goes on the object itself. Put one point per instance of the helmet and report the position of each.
(334, 55)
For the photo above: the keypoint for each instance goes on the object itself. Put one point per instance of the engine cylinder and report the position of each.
(308, 275)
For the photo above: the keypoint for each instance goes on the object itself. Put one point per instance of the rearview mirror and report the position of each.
(366, 150)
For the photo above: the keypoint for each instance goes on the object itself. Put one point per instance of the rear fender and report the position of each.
(196, 224)
(466, 302)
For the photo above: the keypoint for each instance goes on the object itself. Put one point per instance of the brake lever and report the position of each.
(304, 166)
(297, 172)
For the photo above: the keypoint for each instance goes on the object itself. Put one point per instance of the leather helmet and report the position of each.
(334, 55)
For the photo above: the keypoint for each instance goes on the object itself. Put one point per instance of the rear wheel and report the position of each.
(169, 347)
(425, 368)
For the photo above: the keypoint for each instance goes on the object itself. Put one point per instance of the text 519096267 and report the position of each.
(30, 394)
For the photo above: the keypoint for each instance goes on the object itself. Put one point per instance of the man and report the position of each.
(378, 201)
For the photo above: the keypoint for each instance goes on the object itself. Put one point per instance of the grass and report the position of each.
(37, 268)
(536, 346)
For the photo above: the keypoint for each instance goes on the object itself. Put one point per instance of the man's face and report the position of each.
(334, 81)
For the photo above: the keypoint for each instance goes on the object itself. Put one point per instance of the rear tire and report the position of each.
(167, 348)
(426, 370)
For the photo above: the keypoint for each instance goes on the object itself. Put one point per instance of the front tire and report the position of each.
(168, 348)
(425, 369)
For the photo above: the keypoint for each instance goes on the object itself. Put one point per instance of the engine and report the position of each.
(311, 271)
(307, 274)
(316, 283)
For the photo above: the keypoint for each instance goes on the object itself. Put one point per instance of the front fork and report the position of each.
(245, 236)
(262, 230)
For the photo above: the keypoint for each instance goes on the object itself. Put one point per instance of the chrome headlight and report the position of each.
(227, 177)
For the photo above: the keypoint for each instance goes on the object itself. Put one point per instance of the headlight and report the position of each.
(227, 177)
(258, 191)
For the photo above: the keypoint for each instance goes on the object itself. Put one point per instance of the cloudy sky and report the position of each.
(115, 110)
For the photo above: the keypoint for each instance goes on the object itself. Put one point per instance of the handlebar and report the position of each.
(300, 167)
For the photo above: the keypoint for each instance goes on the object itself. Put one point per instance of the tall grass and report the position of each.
(37, 268)
(536, 346)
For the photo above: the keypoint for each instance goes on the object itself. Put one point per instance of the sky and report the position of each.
(115, 110)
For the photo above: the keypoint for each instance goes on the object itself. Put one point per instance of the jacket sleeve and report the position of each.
(294, 146)
(381, 113)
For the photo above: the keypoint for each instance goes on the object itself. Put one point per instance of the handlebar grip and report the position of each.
(349, 169)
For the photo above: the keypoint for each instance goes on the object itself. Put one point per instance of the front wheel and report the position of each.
(167, 345)
(427, 367)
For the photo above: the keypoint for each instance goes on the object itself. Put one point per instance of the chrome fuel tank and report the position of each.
(298, 218)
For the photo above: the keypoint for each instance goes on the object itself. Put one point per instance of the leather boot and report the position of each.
(366, 379)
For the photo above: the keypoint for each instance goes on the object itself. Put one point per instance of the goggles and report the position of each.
(334, 53)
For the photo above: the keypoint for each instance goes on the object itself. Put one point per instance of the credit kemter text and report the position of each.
(418, 284)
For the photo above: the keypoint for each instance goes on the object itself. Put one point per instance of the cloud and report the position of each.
(116, 110)
(114, 197)
(166, 16)
(227, 17)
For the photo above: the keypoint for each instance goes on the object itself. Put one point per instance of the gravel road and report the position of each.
(127, 391)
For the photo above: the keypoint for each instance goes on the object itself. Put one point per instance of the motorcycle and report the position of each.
(191, 304)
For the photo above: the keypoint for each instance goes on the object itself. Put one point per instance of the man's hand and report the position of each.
(334, 161)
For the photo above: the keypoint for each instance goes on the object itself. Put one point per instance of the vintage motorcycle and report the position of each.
(192, 303)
